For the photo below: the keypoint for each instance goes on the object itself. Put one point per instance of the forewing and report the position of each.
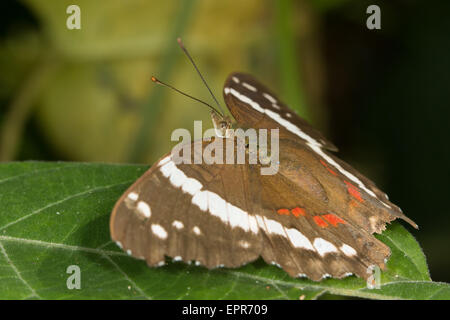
(255, 106)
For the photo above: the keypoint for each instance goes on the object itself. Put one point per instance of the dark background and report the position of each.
(382, 96)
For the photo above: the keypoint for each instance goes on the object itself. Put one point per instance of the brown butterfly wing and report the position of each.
(305, 248)
(232, 218)
(312, 177)
(194, 211)
(241, 88)
(253, 105)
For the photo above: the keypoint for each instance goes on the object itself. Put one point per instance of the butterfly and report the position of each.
(314, 218)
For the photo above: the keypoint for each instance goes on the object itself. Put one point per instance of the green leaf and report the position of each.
(54, 215)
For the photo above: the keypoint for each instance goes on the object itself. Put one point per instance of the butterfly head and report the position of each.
(222, 125)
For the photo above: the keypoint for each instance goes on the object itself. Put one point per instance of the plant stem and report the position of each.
(287, 57)
(150, 113)
(22, 104)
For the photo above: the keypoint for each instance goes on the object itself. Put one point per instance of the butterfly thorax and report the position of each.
(222, 125)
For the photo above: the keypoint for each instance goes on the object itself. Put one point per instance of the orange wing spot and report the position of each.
(353, 203)
(354, 191)
(332, 219)
(320, 222)
(298, 212)
(326, 166)
(283, 212)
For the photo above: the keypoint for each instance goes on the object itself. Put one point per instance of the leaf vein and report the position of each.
(63, 246)
(406, 255)
(19, 276)
(61, 201)
(127, 277)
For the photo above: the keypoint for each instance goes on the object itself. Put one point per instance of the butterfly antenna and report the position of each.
(155, 80)
(198, 71)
